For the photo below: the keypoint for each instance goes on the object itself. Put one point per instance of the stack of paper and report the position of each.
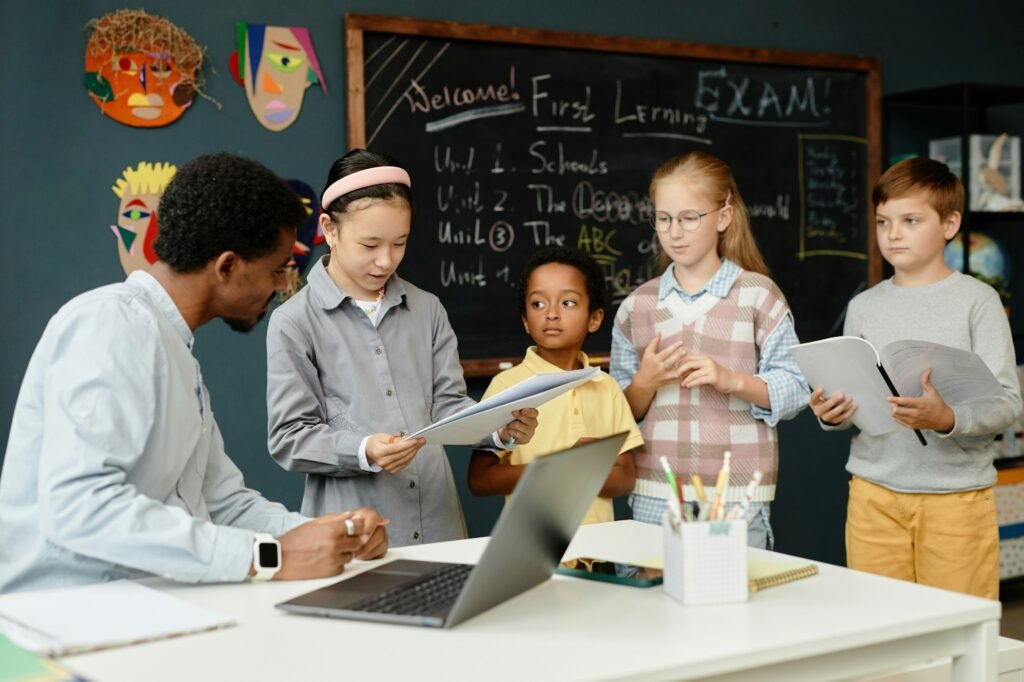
(70, 620)
(474, 423)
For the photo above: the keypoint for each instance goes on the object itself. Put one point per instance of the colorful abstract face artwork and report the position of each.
(139, 189)
(141, 69)
(275, 65)
(308, 235)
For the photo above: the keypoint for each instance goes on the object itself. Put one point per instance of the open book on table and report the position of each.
(844, 364)
(474, 423)
(69, 620)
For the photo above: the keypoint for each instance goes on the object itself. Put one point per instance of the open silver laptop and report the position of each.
(528, 541)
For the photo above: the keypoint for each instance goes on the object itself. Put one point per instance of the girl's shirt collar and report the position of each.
(719, 284)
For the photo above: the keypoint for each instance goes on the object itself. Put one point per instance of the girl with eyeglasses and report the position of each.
(702, 352)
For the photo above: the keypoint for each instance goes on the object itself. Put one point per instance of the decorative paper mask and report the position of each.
(141, 69)
(140, 190)
(275, 65)
(308, 235)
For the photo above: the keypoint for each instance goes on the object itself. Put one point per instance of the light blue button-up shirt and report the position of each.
(788, 391)
(115, 466)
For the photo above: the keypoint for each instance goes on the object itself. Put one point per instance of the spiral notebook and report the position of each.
(763, 574)
(69, 620)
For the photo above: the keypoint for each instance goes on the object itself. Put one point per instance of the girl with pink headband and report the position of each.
(702, 352)
(360, 357)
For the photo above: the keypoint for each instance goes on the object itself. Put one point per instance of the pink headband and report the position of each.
(381, 175)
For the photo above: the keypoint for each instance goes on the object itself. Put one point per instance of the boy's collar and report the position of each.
(538, 365)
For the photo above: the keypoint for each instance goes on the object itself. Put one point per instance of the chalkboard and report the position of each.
(516, 139)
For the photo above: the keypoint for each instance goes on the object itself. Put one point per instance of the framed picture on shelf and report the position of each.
(994, 166)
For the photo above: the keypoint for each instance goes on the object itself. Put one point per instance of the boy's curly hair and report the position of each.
(222, 202)
(597, 293)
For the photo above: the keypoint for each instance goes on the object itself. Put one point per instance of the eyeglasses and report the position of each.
(689, 220)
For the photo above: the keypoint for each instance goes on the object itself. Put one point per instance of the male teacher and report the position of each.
(115, 467)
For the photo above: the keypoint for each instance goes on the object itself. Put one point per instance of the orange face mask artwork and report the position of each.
(139, 190)
(140, 69)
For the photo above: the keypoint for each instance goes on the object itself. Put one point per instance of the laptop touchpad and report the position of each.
(376, 581)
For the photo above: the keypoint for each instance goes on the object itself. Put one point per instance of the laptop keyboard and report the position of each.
(431, 594)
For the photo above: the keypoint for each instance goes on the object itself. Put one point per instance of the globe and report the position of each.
(989, 257)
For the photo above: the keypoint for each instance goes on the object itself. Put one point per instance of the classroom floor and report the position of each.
(1011, 594)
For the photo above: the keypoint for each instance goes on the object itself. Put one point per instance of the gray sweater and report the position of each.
(961, 312)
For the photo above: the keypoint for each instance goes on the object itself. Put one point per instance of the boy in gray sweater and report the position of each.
(926, 513)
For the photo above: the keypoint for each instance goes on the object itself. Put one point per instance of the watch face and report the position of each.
(268, 555)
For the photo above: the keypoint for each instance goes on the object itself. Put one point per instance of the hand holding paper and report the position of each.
(832, 409)
(929, 411)
(521, 429)
(392, 453)
(472, 424)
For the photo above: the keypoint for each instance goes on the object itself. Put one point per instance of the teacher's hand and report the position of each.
(318, 549)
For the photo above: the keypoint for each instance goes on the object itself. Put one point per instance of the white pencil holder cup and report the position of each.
(706, 561)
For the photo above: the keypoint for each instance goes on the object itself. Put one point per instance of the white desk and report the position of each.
(838, 625)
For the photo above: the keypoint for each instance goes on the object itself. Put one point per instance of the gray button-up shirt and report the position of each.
(333, 378)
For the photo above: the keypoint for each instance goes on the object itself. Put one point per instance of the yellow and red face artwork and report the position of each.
(139, 189)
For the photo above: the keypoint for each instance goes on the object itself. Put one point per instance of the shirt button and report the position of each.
(412, 484)
(575, 411)
(416, 535)
(402, 434)
(378, 350)
(388, 391)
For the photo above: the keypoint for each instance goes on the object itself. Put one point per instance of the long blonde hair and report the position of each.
(714, 178)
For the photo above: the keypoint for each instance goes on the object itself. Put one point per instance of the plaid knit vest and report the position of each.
(692, 428)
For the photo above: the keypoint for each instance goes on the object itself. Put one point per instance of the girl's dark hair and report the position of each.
(358, 160)
(588, 267)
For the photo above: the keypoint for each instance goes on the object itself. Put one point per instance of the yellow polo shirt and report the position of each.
(594, 410)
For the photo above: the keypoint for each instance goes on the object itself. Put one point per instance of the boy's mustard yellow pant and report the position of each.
(946, 540)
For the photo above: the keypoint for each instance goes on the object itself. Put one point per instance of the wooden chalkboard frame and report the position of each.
(357, 24)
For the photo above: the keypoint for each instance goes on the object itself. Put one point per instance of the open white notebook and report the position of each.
(476, 422)
(70, 620)
(852, 365)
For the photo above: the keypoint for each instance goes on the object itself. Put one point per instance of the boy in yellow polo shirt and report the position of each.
(561, 300)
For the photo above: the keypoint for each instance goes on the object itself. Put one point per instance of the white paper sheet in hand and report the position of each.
(849, 365)
(476, 422)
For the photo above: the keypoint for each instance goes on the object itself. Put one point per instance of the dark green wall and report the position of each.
(61, 156)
